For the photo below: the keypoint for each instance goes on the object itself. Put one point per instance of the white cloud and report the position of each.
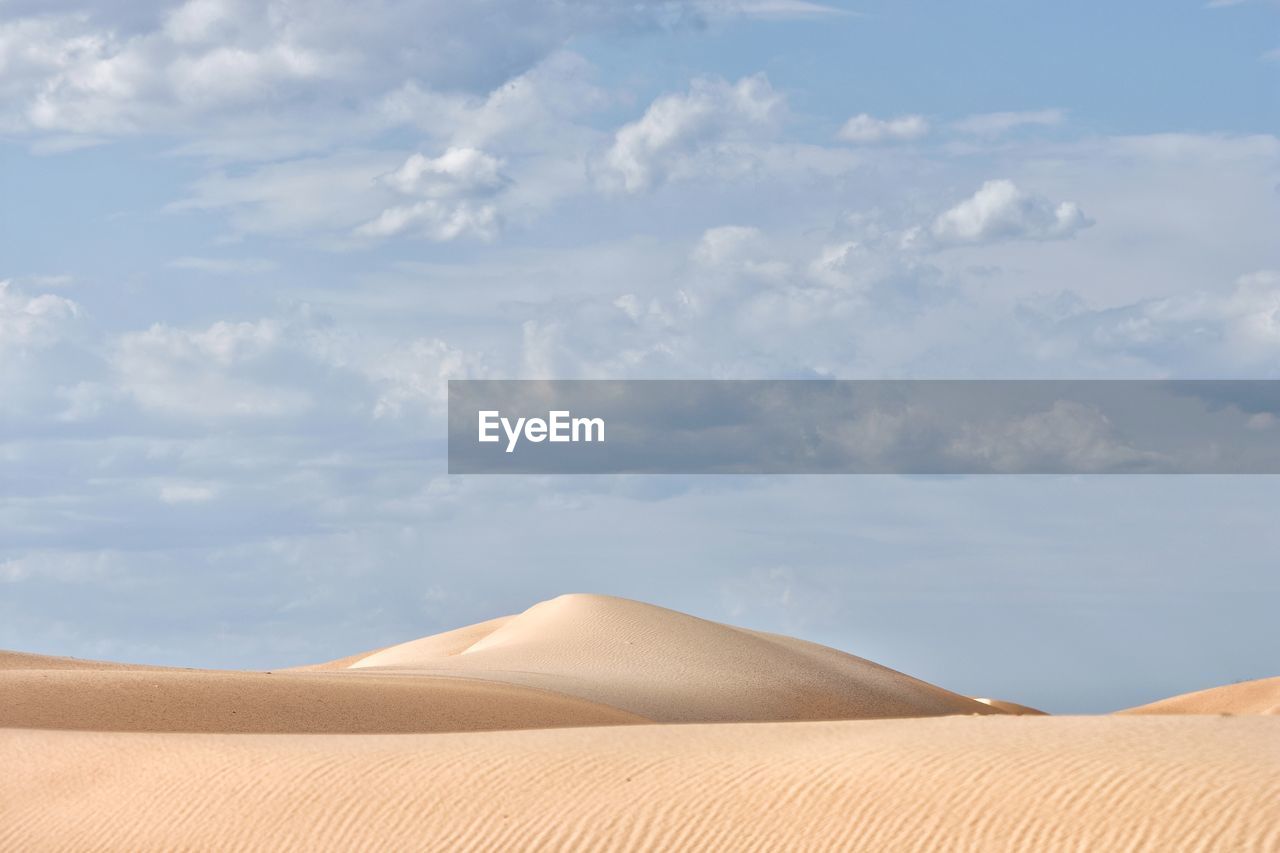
(996, 124)
(350, 197)
(676, 127)
(999, 210)
(209, 66)
(32, 321)
(449, 189)
(435, 220)
(1201, 333)
(848, 265)
(532, 112)
(458, 171)
(866, 128)
(416, 374)
(206, 373)
(727, 244)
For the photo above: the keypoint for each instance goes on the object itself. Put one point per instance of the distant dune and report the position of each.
(577, 660)
(552, 729)
(669, 667)
(1247, 697)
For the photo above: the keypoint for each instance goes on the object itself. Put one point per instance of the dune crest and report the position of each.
(669, 666)
(1247, 697)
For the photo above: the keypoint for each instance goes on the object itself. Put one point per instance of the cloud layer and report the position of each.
(247, 244)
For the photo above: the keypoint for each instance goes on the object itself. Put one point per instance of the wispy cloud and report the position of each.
(867, 128)
(225, 266)
(995, 124)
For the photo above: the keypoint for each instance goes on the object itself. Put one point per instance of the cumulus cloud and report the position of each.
(1202, 333)
(458, 171)
(1000, 210)
(677, 127)
(210, 66)
(69, 74)
(450, 193)
(866, 128)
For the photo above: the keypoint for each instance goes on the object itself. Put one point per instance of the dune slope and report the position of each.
(210, 701)
(670, 667)
(1010, 707)
(960, 783)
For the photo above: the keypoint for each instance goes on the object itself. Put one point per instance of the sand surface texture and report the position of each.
(971, 783)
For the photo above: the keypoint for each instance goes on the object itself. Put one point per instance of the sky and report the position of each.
(244, 245)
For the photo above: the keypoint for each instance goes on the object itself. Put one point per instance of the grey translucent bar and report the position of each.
(934, 427)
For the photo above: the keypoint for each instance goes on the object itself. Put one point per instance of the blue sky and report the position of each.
(244, 245)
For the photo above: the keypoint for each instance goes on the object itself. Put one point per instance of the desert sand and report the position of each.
(600, 723)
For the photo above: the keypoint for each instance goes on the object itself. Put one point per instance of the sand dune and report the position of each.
(576, 660)
(545, 730)
(669, 667)
(957, 783)
(1247, 697)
